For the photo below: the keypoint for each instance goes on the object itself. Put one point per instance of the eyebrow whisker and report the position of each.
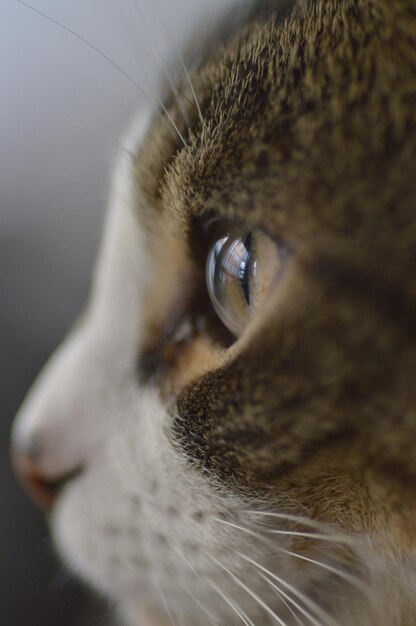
(172, 85)
(110, 61)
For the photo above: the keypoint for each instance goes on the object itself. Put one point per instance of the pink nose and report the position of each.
(27, 462)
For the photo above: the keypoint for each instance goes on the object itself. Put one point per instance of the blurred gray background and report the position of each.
(62, 111)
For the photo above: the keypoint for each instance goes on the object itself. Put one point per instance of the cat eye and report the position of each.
(240, 270)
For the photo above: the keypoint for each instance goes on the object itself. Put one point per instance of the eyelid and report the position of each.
(212, 226)
(216, 228)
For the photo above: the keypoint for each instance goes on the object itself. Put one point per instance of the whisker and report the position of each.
(162, 62)
(251, 593)
(273, 545)
(109, 60)
(306, 521)
(212, 618)
(351, 579)
(296, 592)
(182, 621)
(295, 533)
(247, 531)
(179, 553)
(233, 605)
(90, 45)
(341, 574)
(289, 608)
(329, 538)
(121, 132)
(90, 131)
(178, 52)
(163, 599)
(282, 594)
(188, 77)
(300, 519)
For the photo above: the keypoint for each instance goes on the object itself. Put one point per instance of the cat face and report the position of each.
(231, 423)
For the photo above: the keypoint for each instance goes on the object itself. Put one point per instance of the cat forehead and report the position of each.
(302, 123)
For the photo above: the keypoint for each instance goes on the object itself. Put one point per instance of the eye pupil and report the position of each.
(246, 268)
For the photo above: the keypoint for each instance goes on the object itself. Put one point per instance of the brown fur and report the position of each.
(310, 135)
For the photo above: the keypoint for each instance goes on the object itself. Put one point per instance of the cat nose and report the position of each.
(43, 487)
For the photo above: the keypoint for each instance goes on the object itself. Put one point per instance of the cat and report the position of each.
(228, 434)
